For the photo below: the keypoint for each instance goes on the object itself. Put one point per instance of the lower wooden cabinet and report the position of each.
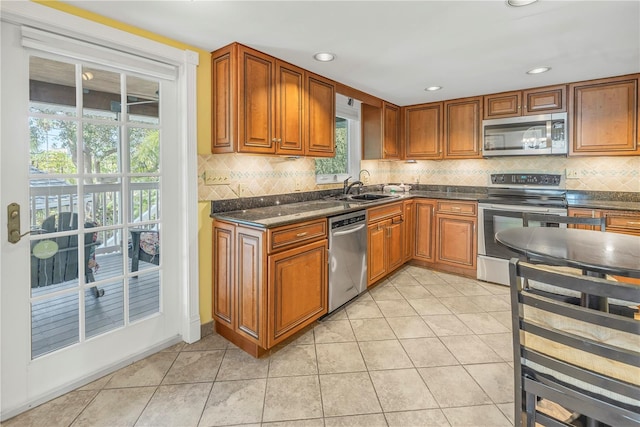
(456, 236)
(297, 289)
(409, 229)
(385, 240)
(625, 222)
(424, 248)
(263, 295)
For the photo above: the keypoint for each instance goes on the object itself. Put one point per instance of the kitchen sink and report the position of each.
(370, 197)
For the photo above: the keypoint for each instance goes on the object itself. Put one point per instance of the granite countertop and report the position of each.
(279, 213)
(283, 214)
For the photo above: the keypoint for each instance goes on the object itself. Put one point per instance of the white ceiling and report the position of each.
(394, 49)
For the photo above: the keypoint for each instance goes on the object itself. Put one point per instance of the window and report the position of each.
(346, 162)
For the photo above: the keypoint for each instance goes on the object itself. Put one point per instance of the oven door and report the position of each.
(493, 258)
(495, 218)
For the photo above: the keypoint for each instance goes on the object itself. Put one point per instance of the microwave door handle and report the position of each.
(549, 143)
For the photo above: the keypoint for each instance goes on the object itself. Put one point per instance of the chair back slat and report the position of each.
(577, 357)
(547, 220)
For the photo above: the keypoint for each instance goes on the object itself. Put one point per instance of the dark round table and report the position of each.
(591, 251)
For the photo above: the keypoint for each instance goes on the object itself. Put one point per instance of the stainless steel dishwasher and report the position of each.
(347, 257)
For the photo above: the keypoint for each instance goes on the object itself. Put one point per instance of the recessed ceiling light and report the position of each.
(518, 3)
(433, 88)
(539, 70)
(324, 56)
(87, 75)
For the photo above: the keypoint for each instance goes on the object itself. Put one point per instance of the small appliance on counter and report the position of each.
(396, 188)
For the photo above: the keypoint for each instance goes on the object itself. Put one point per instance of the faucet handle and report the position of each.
(346, 181)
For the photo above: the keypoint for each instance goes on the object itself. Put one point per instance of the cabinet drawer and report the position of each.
(385, 211)
(294, 234)
(460, 208)
(623, 222)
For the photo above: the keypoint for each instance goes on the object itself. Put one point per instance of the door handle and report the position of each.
(13, 223)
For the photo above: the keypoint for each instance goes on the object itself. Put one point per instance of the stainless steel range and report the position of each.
(510, 195)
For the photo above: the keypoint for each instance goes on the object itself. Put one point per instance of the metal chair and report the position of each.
(596, 224)
(584, 360)
(550, 220)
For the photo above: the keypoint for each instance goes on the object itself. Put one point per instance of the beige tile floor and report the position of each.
(420, 349)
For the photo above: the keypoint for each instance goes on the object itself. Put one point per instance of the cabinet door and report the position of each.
(223, 66)
(625, 222)
(289, 111)
(425, 233)
(506, 104)
(395, 243)
(604, 117)
(391, 129)
(297, 289)
(550, 99)
(376, 251)
(409, 229)
(257, 101)
(250, 281)
(423, 131)
(223, 272)
(462, 128)
(320, 116)
(456, 240)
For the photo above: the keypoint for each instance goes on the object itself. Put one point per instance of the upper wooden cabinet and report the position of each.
(423, 131)
(549, 99)
(604, 117)
(320, 117)
(262, 105)
(463, 128)
(380, 132)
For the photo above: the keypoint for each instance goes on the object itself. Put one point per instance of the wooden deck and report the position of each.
(55, 323)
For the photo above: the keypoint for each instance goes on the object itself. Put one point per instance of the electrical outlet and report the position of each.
(573, 174)
(242, 189)
(213, 177)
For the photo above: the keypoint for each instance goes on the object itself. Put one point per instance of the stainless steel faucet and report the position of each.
(353, 184)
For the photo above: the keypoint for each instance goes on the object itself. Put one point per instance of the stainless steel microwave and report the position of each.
(525, 136)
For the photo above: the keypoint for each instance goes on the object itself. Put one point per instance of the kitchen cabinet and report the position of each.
(604, 117)
(543, 100)
(380, 131)
(616, 221)
(259, 299)
(409, 228)
(238, 285)
(261, 105)
(463, 128)
(423, 131)
(320, 116)
(425, 230)
(385, 240)
(456, 236)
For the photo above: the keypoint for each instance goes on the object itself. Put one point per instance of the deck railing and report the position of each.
(102, 203)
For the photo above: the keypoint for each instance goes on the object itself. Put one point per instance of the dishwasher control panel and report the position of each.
(348, 221)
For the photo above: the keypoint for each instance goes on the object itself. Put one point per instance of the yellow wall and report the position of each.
(204, 135)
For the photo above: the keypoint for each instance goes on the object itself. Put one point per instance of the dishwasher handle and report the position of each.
(348, 231)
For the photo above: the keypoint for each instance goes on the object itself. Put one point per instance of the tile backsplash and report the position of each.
(265, 175)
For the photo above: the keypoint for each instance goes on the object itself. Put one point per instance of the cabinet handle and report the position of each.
(379, 225)
(393, 221)
(302, 234)
(456, 208)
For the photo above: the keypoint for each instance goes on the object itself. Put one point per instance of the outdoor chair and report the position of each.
(576, 360)
(63, 265)
(145, 246)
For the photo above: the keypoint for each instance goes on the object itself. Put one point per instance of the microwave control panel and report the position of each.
(526, 179)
